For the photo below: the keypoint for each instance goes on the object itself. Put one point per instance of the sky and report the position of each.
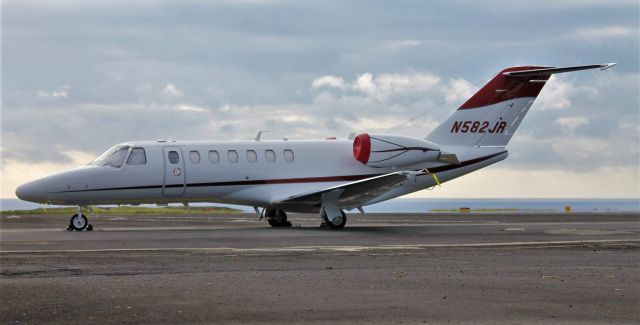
(81, 76)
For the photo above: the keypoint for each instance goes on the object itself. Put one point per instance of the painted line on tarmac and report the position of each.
(99, 229)
(293, 249)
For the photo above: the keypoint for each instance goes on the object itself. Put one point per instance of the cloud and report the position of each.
(373, 123)
(329, 114)
(459, 89)
(364, 84)
(581, 149)
(617, 182)
(599, 33)
(61, 92)
(170, 89)
(387, 85)
(190, 108)
(234, 108)
(401, 44)
(559, 91)
(381, 87)
(16, 172)
(572, 122)
(328, 81)
(288, 117)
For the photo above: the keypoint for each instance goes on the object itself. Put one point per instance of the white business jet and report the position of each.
(311, 176)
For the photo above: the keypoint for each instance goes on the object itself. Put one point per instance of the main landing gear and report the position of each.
(331, 218)
(277, 218)
(79, 222)
(337, 222)
(330, 211)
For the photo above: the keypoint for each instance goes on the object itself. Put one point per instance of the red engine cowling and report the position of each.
(384, 150)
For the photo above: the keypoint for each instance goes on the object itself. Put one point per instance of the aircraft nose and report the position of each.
(29, 192)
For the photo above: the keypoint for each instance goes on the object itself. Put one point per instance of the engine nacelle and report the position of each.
(384, 150)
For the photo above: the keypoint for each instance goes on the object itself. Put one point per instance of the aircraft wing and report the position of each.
(352, 194)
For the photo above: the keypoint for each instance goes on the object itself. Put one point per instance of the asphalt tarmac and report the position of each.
(382, 268)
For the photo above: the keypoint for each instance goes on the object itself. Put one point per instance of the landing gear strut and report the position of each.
(277, 218)
(79, 222)
(330, 211)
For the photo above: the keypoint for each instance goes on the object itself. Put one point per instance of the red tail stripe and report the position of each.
(502, 88)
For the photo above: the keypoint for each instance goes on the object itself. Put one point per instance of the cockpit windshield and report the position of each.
(113, 158)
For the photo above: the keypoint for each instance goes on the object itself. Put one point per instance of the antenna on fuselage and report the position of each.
(260, 134)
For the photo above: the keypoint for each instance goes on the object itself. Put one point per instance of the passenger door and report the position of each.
(174, 172)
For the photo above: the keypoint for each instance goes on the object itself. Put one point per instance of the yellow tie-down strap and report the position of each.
(435, 177)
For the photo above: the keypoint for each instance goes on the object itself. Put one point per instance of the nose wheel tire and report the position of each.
(78, 222)
(277, 218)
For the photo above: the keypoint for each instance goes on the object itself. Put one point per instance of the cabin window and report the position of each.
(214, 157)
(270, 155)
(113, 158)
(288, 155)
(174, 158)
(194, 156)
(137, 157)
(232, 155)
(252, 156)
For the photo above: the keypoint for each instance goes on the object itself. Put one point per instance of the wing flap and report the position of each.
(353, 194)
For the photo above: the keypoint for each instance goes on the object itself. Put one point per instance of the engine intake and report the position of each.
(384, 150)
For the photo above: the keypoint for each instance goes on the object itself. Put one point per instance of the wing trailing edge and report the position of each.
(352, 195)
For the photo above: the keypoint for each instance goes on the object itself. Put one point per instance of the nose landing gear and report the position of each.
(79, 222)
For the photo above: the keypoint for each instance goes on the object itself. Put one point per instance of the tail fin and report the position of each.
(492, 115)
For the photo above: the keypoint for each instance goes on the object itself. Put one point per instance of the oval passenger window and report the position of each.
(288, 155)
(174, 158)
(214, 157)
(252, 156)
(270, 155)
(194, 156)
(232, 155)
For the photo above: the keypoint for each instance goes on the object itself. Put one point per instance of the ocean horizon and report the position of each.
(422, 205)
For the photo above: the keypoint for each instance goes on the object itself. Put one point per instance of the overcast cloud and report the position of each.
(81, 76)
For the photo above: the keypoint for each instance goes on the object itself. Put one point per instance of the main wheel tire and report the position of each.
(277, 218)
(78, 222)
(279, 224)
(329, 224)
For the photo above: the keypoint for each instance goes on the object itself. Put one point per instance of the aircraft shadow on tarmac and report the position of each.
(349, 229)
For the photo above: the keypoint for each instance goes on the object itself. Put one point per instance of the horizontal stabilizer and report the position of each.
(549, 71)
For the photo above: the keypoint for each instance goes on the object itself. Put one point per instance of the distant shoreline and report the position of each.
(399, 205)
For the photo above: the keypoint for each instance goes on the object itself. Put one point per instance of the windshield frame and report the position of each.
(106, 159)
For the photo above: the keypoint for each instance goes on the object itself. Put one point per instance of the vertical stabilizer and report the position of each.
(492, 115)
